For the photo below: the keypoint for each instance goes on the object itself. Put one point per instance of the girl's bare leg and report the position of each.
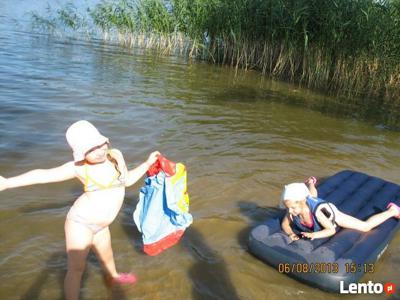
(78, 240)
(102, 247)
(346, 221)
(311, 186)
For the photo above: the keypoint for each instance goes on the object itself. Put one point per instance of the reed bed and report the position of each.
(344, 47)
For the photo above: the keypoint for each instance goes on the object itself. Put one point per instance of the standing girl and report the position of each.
(104, 175)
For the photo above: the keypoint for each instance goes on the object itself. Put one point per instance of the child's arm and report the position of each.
(288, 229)
(329, 228)
(39, 176)
(135, 174)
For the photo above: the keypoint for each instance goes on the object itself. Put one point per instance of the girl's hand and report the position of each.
(3, 183)
(309, 235)
(152, 158)
(294, 237)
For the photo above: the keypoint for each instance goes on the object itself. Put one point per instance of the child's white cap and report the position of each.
(83, 136)
(295, 192)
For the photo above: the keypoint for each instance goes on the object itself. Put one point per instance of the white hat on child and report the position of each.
(83, 136)
(295, 192)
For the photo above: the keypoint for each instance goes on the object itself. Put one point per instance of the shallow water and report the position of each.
(239, 137)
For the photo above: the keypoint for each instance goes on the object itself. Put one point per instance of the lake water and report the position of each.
(241, 137)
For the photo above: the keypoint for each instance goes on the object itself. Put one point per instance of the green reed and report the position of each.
(345, 47)
(65, 17)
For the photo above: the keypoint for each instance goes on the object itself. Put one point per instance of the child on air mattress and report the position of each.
(311, 217)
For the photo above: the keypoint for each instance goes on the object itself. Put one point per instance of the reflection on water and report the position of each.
(238, 136)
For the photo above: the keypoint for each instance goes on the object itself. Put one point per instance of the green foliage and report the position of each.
(348, 47)
(153, 16)
(112, 14)
(70, 17)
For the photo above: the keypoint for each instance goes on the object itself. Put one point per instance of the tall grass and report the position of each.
(67, 17)
(344, 47)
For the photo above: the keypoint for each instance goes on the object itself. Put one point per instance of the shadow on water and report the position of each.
(56, 266)
(372, 111)
(129, 227)
(237, 93)
(209, 274)
(256, 215)
(34, 208)
(75, 192)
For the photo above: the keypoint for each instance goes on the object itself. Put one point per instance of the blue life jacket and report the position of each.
(313, 204)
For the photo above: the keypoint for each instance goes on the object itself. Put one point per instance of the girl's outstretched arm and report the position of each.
(135, 174)
(39, 176)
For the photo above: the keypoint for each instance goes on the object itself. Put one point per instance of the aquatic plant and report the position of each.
(71, 17)
(45, 23)
(67, 17)
(343, 47)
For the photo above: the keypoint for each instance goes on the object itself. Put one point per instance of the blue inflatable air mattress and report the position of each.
(345, 257)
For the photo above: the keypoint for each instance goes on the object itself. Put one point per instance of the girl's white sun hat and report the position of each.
(83, 136)
(295, 192)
